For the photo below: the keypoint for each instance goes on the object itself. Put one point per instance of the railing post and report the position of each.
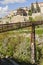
(33, 46)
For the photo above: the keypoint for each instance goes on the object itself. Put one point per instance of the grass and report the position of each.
(40, 31)
(41, 62)
(20, 31)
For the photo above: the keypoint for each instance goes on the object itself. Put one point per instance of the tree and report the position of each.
(37, 7)
(30, 12)
(32, 8)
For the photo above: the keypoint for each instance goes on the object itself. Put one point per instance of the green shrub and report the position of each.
(30, 12)
(31, 19)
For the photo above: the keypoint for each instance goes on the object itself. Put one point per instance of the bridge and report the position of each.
(15, 26)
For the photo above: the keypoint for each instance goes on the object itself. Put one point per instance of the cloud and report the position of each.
(3, 11)
(12, 1)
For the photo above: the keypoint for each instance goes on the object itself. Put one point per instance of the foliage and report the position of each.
(7, 22)
(30, 12)
(31, 19)
(37, 7)
(22, 50)
(41, 62)
(32, 8)
(39, 31)
(14, 44)
(39, 18)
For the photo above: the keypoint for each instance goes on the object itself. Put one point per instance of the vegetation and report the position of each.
(17, 45)
(36, 18)
(37, 7)
(32, 8)
(31, 19)
(39, 18)
(30, 12)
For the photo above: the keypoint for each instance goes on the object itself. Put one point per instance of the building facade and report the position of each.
(40, 5)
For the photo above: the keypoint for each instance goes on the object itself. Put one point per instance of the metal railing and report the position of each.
(14, 26)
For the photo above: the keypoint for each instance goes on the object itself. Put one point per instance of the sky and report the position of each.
(8, 5)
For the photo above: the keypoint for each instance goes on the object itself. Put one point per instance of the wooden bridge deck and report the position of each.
(14, 26)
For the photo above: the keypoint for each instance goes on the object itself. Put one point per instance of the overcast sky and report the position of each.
(8, 5)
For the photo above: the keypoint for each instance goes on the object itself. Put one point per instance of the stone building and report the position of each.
(21, 12)
(40, 5)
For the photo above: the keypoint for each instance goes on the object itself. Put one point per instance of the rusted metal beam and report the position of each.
(33, 45)
(14, 26)
(37, 23)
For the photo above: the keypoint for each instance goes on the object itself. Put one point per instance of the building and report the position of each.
(21, 12)
(40, 5)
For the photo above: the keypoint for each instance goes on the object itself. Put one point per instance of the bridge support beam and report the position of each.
(33, 45)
